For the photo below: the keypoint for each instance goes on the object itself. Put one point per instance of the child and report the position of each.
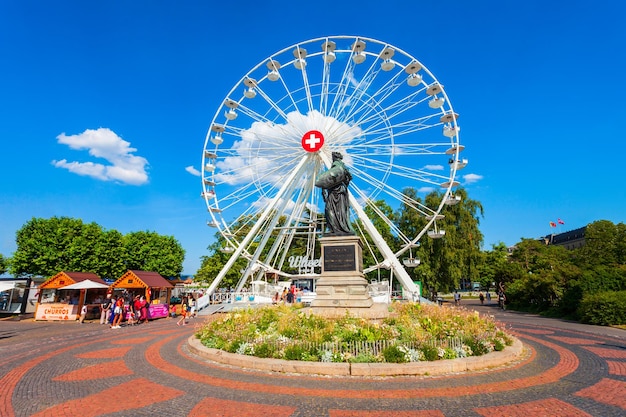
(183, 313)
(83, 313)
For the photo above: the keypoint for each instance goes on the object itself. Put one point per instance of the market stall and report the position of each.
(151, 285)
(62, 296)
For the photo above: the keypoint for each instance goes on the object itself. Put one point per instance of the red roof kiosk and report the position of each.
(151, 285)
(56, 303)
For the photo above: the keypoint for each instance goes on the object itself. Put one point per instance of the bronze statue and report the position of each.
(334, 184)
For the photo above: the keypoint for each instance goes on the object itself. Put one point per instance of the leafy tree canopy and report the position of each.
(3, 264)
(47, 246)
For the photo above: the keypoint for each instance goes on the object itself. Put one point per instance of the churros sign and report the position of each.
(56, 311)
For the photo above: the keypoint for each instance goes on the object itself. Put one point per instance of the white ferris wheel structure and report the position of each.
(275, 131)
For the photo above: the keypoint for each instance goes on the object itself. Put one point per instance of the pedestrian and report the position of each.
(111, 317)
(83, 313)
(118, 313)
(192, 307)
(132, 314)
(105, 310)
(482, 298)
(501, 299)
(457, 298)
(137, 308)
(144, 309)
(488, 297)
(183, 312)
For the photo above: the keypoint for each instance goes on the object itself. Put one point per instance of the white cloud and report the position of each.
(104, 143)
(255, 159)
(472, 178)
(434, 167)
(426, 190)
(190, 169)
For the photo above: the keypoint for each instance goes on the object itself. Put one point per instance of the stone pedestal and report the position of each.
(342, 283)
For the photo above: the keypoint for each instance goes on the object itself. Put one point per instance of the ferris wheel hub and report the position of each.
(312, 141)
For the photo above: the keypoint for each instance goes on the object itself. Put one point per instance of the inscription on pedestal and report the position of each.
(339, 258)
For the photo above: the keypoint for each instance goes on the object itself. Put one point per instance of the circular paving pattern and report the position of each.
(68, 369)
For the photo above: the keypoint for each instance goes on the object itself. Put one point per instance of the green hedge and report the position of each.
(604, 308)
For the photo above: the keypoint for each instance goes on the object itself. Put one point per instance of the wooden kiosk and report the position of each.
(56, 303)
(151, 285)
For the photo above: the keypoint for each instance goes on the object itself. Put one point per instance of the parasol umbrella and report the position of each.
(86, 284)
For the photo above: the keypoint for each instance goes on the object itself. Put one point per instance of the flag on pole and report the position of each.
(552, 224)
(561, 221)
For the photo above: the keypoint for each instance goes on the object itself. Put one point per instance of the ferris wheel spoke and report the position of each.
(377, 148)
(356, 100)
(272, 103)
(399, 171)
(401, 128)
(307, 89)
(366, 111)
(252, 114)
(396, 195)
(396, 106)
(341, 96)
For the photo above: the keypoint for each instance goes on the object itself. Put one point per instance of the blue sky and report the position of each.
(105, 105)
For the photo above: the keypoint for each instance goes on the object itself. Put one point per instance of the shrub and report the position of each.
(265, 350)
(395, 354)
(431, 353)
(498, 344)
(478, 346)
(604, 308)
(294, 352)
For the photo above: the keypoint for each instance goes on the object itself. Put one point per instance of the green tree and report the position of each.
(3, 264)
(491, 262)
(47, 246)
(605, 244)
(149, 251)
(620, 244)
(546, 271)
(445, 261)
(112, 255)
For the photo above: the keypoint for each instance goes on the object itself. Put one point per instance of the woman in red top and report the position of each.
(137, 308)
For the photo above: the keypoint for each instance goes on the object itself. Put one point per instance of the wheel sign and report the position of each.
(312, 141)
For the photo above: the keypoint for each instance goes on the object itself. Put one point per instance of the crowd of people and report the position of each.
(132, 309)
(187, 310)
(289, 295)
(125, 307)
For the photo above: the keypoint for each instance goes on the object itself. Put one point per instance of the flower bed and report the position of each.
(411, 333)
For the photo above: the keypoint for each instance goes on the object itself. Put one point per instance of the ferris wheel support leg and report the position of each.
(253, 231)
(396, 266)
(272, 223)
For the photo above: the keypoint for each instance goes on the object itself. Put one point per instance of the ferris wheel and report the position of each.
(274, 133)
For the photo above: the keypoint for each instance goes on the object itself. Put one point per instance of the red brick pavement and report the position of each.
(608, 391)
(541, 408)
(147, 370)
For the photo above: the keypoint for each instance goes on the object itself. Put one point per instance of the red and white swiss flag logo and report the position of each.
(312, 141)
